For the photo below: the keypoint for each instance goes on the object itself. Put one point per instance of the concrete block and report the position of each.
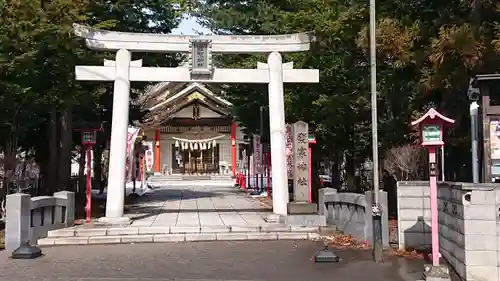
(304, 228)
(71, 241)
(145, 238)
(481, 273)
(185, 229)
(61, 233)
(201, 237)
(122, 231)
(236, 228)
(292, 236)
(90, 232)
(45, 242)
(105, 240)
(414, 203)
(480, 212)
(154, 230)
(274, 228)
(160, 238)
(231, 236)
(481, 258)
(436, 273)
(262, 236)
(413, 214)
(294, 208)
(480, 227)
(215, 229)
(305, 220)
(483, 197)
(477, 242)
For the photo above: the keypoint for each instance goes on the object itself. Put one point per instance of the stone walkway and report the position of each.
(197, 205)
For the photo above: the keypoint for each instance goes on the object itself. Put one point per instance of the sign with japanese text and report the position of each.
(431, 133)
(257, 153)
(149, 155)
(300, 162)
(289, 151)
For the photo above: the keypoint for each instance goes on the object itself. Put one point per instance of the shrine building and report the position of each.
(192, 129)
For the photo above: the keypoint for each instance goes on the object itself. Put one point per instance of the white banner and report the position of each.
(132, 134)
(257, 153)
(149, 156)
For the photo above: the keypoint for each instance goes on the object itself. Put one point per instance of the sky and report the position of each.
(189, 26)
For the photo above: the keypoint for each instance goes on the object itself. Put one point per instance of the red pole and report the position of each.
(89, 183)
(233, 148)
(268, 175)
(157, 151)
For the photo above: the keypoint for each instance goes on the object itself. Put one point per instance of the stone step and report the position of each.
(188, 178)
(179, 237)
(117, 231)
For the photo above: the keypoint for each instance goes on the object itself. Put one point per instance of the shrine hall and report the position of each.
(193, 130)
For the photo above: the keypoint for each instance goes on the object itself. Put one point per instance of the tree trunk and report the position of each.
(336, 171)
(65, 145)
(9, 166)
(51, 183)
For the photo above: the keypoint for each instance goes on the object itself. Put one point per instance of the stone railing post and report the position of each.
(69, 198)
(322, 192)
(385, 217)
(18, 220)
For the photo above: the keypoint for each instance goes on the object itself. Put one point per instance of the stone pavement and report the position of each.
(205, 261)
(197, 205)
(187, 213)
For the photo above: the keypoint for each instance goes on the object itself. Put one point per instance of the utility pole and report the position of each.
(261, 152)
(376, 212)
(474, 96)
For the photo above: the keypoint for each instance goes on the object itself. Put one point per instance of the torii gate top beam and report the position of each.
(105, 40)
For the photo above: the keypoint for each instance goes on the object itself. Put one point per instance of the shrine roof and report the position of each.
(162, 101)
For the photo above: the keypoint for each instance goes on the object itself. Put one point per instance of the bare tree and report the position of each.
(406, 162)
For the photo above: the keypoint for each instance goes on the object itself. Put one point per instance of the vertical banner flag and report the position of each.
(256, 153)
(132, 134)
(289, 151)
(149, 156)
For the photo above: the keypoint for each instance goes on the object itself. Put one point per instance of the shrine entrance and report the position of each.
(195, 161)
(200, 68)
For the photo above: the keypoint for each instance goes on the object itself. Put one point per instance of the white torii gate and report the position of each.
(200, 48)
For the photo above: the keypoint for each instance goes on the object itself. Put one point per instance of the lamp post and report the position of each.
(432, 126)
(89, 139)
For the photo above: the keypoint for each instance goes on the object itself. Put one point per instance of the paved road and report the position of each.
(210, 261)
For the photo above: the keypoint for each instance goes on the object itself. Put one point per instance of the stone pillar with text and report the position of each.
(300, 204)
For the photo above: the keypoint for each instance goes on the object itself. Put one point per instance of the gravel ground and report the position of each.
(223, 261)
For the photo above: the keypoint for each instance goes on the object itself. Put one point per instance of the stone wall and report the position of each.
(468, 235)
(414, 215)
(351, 213)
(468, 217)
(30, 218)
